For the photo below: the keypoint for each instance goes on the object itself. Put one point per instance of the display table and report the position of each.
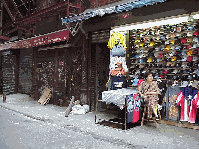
(127, 98)
(118, 96)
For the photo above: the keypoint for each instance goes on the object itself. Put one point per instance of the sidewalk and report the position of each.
(140, 136)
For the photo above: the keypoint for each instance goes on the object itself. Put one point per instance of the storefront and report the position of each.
(168, 48)
(149, 42)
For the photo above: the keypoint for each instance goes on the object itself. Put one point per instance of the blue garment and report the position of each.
(189, 92)
(116, 80)
(133, 107)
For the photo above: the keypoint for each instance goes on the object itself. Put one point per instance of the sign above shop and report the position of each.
(118, 8)
(37, 41)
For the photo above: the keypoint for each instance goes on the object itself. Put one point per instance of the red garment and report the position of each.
(117, 71)
(193, 109)
(181, 101)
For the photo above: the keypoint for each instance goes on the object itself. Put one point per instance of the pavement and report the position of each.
(137, 137)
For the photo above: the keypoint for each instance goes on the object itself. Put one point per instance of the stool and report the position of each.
(145, 112)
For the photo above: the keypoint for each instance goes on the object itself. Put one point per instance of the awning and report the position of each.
(3, 38)
(53, 37)
(124, 5)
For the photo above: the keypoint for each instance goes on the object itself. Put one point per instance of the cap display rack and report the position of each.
(159, 40)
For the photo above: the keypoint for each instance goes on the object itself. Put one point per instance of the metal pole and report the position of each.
(125, 112)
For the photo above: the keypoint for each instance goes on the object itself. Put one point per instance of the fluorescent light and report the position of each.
(152, 23)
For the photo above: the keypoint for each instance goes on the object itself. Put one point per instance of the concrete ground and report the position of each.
(141, 136)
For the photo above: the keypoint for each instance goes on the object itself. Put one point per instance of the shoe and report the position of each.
(150, 120)
(157, 118)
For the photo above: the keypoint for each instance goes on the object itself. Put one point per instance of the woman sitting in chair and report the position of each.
(149, 91)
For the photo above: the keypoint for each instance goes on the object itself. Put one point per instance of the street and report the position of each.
(20, 132)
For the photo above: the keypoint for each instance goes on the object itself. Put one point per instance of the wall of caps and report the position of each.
(168, 51)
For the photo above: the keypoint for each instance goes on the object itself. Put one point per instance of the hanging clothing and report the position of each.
(184, 100)
(152, 100)
(193, 109)
(170, 96)
(118, 82)
(116, 38)
(133, 108)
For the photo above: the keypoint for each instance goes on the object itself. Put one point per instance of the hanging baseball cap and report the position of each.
(195, 58)
(196, 33)
(171, 53)
(149, 60)
(190, 27)
(184, 59)
(183, 40)
(189, 58)
(142, 44)
(174, 58)
(189, 52)
(183, 53)
(194, 46)
(189, 34)
(166, 71)
(178, 47)
(189, 46)
(172, 41)
(189, 40)
(196, 39)
(173, 35)
(167, 48)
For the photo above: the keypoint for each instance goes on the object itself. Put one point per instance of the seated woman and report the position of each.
(149, 91)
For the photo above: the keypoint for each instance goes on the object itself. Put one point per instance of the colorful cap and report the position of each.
(183, 40)
(189, 58)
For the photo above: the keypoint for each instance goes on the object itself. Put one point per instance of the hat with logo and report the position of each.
(184, 59)
(194, 46)
(190, 27)
(183, 40)
(184, 84)
(167, 48)
(178, 47)
(189, 52)
(183, 53)
(172, 41)
(195, 58)
(189, 40)
(196, 39)
(149, 60)
(196, 33)
(189, 34)
(174, 58)
(189, 58)
(189, 46)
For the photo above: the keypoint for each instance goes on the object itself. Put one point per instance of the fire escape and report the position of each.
(25, 13)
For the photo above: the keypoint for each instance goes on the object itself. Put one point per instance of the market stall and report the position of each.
(169, 49)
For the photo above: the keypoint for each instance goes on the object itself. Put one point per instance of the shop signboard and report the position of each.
(36, 41)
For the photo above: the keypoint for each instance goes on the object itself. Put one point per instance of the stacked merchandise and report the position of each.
(168, 51)
(118, 67)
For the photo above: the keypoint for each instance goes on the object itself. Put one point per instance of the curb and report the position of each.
(33, 117)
